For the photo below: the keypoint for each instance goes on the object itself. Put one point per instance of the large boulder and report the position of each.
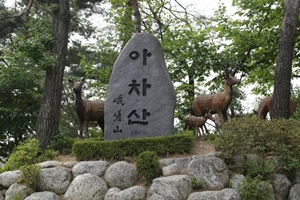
(17, 191)
(97, 168)
(225, 194)
(10, 177)
(43, 195)
(211, 172)
(175, 187)
(121, 175)
(181, 163)
(281, 185)
(56, 179)
(86, 186)
(294, 192)
(132, 193)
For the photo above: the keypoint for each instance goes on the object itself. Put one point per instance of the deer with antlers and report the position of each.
(218, 102)
(265, 107)
(196, 122)
(87, 110)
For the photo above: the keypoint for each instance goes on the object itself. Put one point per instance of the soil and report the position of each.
(200, 147)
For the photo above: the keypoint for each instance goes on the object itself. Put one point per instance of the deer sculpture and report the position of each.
(87, 110)
(196, 122)
(265, 107)
(216, 103)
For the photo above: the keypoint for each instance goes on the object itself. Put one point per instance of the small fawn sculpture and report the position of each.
(196, 122)
(265, 107)
(87, 110)
(216, 103)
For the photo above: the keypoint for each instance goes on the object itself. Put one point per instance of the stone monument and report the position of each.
(141, 98)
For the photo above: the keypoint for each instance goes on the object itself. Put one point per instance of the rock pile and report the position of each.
(100, 180)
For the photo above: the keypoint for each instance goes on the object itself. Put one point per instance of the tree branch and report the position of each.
(137, 15)
(8, 23)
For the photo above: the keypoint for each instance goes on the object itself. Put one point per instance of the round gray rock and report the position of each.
(121, 175)
(132, 193)
(97, 168)
(294, 192)
(86, 186)
(175, 187)
(236, 181)
(281, 185)
(225, 194)
(170, 170)
(55, 179)
(43, 195)
(211, 172)
(10, 177)
(17, 189)
(49, 164)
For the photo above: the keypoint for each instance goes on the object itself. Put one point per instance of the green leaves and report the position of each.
(148, 165)
(253, 39)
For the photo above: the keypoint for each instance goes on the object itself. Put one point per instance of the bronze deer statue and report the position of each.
(216, 103)
(196, 122)
(87, 110)
(265, 107)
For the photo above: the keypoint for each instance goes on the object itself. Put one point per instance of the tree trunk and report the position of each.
(282, 85)
(48, 120)
(137, 15)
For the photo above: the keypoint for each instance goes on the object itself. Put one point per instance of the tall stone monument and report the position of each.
(141, 98)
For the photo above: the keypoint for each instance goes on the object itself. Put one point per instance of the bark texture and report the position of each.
(283, 70)
(48, 120)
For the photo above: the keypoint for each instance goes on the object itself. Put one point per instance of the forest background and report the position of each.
(45, 43)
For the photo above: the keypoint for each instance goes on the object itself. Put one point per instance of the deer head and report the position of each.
(229, 77)
(77, 86)
(208, 115)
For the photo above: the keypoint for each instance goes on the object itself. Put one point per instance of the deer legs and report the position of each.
(81, 129)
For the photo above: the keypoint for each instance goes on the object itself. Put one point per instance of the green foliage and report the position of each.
(249, 135)
(22, 60)
(17, 196)
(148, 165)
(30, 175)
(99, 73)
(251, 40)
(210, 137)
(63, 143)
(296, 96)
(24, 154)
(258, 167)
(256, 188)
(118, 149)
(196, 184)
(48, 154)
(120, 15)
(28, 153)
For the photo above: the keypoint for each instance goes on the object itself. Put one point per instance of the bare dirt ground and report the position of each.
(200, 148)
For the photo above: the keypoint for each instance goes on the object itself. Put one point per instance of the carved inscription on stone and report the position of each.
(141, 97)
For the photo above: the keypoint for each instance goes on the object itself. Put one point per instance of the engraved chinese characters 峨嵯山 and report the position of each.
(141, 97)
